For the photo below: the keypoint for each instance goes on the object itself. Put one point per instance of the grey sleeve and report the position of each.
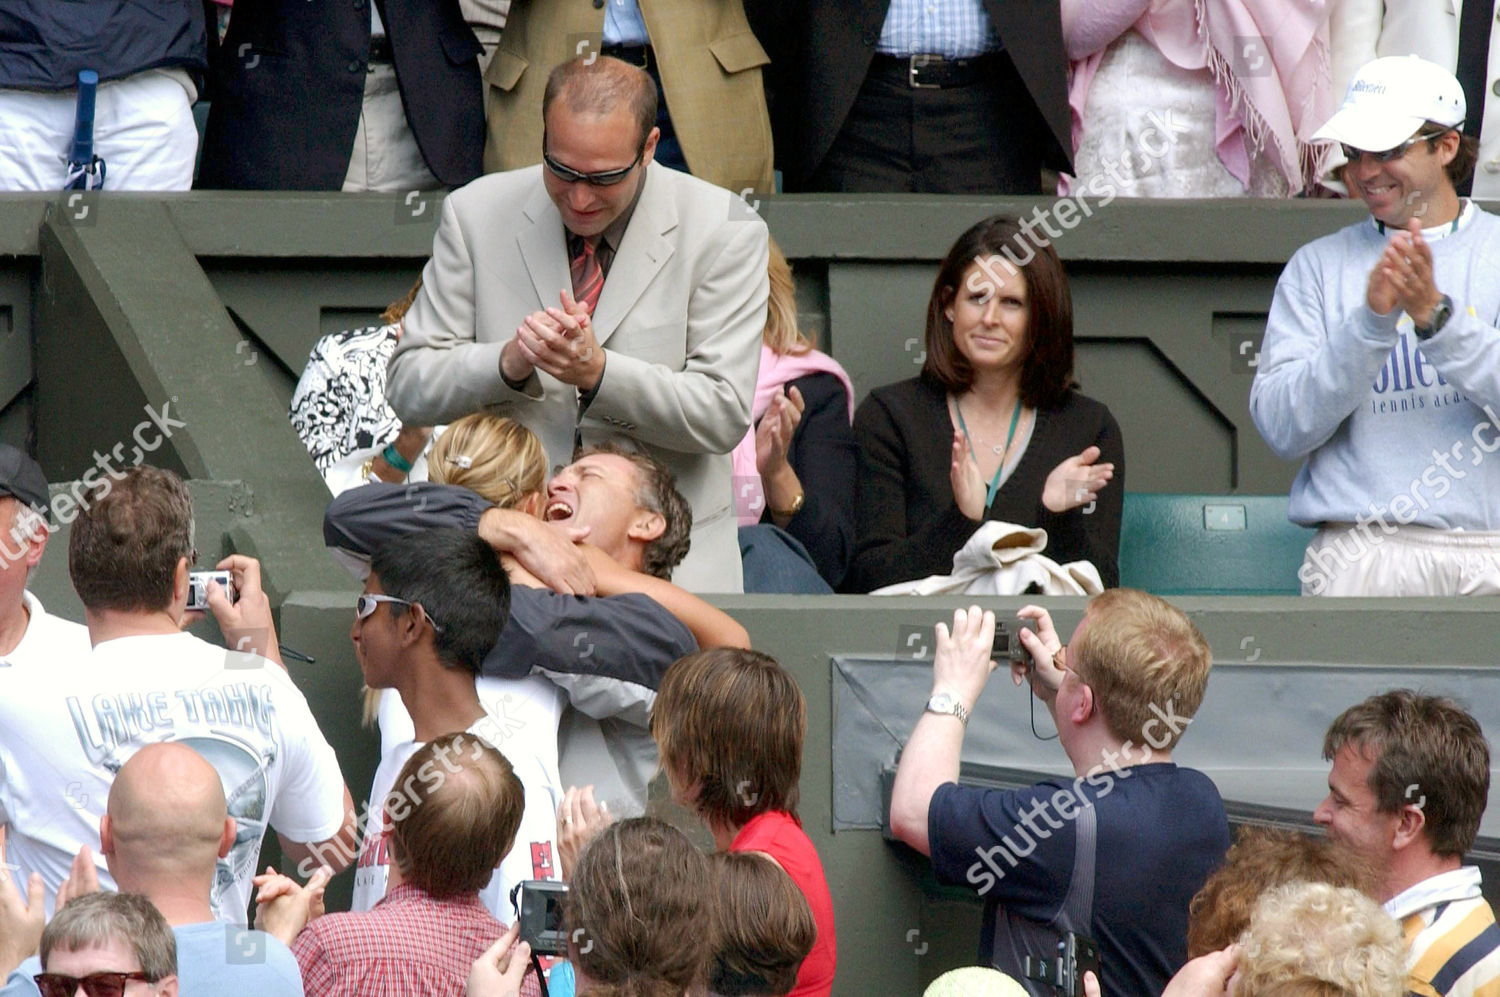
(362, 518)
(608, 652)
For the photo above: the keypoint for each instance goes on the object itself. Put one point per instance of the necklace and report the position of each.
(994, 485)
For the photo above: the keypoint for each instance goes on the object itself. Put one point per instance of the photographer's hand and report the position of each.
(962, 664)
(499, 972)
(246, 623)
(1042, 645)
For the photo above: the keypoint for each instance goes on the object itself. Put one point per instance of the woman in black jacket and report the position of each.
(992, 429)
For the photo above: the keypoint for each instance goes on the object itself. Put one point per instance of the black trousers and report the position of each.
(983, 138)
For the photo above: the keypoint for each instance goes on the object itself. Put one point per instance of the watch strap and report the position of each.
(950, 707)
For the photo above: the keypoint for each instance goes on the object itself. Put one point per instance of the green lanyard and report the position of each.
(994, 485)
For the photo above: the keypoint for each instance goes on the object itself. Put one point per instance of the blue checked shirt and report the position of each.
(623, 24)
(953, 29)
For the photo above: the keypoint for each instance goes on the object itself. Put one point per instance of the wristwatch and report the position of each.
(1441, 313)
(948, 705)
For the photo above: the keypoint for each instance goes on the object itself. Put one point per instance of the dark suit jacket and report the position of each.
(821, 50)
(289, 80)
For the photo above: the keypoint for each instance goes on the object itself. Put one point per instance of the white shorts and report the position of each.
(143, 130)
(1344, 559)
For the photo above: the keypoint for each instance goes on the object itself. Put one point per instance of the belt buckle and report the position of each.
(918, 62)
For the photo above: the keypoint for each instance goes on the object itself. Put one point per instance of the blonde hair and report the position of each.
(489, 454)
(781, 333)
(496, 457)
(1137, 652)
(1330, 933)
(396, 310)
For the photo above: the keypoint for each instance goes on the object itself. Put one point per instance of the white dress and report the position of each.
(1128, 102)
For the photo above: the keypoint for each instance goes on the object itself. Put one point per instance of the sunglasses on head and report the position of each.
(366, 605)
(1390, 155)
(94, 984)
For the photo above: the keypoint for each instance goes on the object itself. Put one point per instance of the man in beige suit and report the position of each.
(599, 296)
(702, 51)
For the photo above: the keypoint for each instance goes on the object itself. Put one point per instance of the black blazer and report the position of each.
(288, 82)
(820, 54)
(906, 522)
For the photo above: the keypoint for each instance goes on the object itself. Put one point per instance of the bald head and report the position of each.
(166, 814)
(599, 85)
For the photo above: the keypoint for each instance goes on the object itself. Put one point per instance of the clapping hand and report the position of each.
(283, 908)
(1403, 276)
(773, 435)
(22, 915)
(579, 818)
(561, 342)
(963, 475)
(1076, 481)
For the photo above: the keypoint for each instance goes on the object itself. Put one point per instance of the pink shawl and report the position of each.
(1269, 60)
(776, 370)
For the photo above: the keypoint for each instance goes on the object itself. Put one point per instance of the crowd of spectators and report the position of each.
(531, 636)
(960, 96)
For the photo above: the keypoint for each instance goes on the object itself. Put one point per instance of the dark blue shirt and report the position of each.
(1161, 831)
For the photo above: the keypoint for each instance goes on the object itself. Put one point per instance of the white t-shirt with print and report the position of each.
(521, 721)
(66, 729)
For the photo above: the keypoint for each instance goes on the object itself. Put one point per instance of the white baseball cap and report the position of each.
(1389, 99)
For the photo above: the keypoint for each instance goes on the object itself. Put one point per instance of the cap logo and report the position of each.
(1364, 86)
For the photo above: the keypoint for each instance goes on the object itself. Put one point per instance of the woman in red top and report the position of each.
(729, 724)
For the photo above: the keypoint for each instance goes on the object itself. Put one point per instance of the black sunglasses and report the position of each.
(1390, 155)
(94, 984)
(604, 178)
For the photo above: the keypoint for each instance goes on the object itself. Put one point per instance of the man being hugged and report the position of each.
(1115, 853)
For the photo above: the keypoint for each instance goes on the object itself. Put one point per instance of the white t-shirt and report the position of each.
(66, 729)
(521, 722)
(47, 640)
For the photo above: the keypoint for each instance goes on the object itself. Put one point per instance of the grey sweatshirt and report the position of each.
(1392, 430)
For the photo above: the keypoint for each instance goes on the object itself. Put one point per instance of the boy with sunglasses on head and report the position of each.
(1380, 367)
(434, 606)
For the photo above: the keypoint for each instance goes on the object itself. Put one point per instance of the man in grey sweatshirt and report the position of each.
(1380, 367)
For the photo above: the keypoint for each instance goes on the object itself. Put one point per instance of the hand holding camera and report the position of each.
(241, 607)
(1042, 645)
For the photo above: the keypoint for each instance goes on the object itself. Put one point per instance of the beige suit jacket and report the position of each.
(710, 65)
(680, 319)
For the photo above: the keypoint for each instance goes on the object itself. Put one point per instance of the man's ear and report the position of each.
(1447, 146)
(107, 837)
(412, 625)
(649, 149)
(180, 583)
(166, 986)
(1411, 828)
(1085, 708)
(648, 526)
(38, 546)
(226, 838)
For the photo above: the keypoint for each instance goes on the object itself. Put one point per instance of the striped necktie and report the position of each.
(587, 273)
